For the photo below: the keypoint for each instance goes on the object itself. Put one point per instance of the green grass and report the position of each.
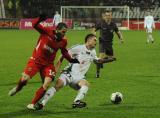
(135, 74)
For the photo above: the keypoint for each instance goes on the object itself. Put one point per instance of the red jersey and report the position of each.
(47, 47)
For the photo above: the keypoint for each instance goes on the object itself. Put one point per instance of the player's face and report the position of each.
(61, 33)
(108, 16)
(103, 16)
(92, 42)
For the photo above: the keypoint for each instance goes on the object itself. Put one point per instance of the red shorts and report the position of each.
(45, 70)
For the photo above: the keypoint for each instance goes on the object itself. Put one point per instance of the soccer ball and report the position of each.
(116, 97)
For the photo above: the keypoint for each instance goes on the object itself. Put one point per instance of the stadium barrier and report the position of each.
(9, 23)
(139, 24)
(27, 23)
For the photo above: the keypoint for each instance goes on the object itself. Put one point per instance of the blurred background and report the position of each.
(20, 9)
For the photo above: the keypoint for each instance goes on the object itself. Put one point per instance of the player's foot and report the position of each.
(38, 106)
(13, 91)
(31, 107)
(79, 104)
(97, 75)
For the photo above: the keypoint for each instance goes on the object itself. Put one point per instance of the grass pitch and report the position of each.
(135, 74)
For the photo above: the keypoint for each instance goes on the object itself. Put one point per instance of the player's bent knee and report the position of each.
(83, 83)
(59, 84)
(47, 82)
(25, 76)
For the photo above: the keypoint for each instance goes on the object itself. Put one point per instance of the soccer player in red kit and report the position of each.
(50, 41)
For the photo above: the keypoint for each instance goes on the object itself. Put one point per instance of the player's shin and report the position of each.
(48, 95)
(39, 94)
(19, 86)
(81, 94)
(98, 67)
(148, 38)
(21, 83)
(151, 38)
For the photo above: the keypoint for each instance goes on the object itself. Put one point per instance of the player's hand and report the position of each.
(98, 61)
(42, 17)
(74, 61)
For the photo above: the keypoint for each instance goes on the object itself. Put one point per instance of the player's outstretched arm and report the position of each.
(36, 23)
(104, 60)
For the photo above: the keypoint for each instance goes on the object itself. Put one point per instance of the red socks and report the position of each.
(39, 94)
(21, 83)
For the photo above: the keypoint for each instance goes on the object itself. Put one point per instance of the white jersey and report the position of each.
(57, 19)
(149, 22)
(85, 58)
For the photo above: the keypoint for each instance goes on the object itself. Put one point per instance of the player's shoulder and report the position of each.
(76, 46)
(113, 22)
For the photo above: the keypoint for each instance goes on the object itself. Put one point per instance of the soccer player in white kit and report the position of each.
(149, 25)
(57, 19)
(74, 74)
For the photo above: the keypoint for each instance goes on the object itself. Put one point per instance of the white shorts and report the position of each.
(71, 79)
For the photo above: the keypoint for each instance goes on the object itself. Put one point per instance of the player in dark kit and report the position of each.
(50, 41)
(107, 27)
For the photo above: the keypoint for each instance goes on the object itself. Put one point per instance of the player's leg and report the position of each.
(30, 70)
(83, 88)
(49, 73)
(51, 91)
(42, 76)
(147, 33)
(150, 35)
(109, 52)
(101, 55)
(39, 93)
(61, 82)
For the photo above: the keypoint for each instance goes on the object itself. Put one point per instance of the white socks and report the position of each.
(48, 95)
(51, 91)
(82, 92)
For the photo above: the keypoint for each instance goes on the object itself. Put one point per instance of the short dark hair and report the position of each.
(89, 36)
(61, 25)
(108, 11)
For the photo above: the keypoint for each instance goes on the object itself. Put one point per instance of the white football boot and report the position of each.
(31, 107)
(12, 92)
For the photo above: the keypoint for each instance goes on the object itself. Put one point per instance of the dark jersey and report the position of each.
(106, 30)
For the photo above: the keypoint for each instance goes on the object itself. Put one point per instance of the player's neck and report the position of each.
(108, 22)
(87, 46)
